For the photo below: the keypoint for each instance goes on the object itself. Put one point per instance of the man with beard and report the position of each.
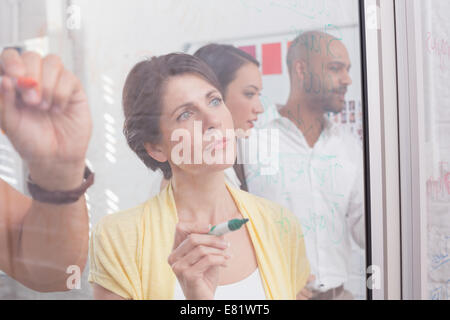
(320, 175)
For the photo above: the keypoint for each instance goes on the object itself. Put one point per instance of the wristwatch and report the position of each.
(61, 197)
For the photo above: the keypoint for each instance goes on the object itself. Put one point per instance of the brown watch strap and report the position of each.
(61, 197)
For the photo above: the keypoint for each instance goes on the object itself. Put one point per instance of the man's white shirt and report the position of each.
(323, 186)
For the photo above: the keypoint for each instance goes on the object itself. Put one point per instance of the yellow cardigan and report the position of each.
(129, 250)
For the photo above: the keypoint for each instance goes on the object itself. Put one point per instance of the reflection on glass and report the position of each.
(301, 80)
(436, 76)
(319, 175)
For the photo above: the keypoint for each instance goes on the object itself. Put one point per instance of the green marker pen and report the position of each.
(226, 227)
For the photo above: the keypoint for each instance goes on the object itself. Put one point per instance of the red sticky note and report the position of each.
(271, 57)
(251, 50)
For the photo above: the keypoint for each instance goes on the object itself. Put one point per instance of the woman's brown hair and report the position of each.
(142, 100)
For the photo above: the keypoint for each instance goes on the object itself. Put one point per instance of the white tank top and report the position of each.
(250, 288)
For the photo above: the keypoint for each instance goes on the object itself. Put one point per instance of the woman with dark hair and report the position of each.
(176, 121)
(241, 82)
(239, 75)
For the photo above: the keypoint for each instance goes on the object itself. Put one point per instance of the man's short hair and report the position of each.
(303, 45)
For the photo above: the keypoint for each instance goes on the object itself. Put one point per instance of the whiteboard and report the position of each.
(276, 87)
(11, 167)
(109, 42)
(436, 80)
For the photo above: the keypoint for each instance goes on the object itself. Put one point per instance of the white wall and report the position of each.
(6, 17)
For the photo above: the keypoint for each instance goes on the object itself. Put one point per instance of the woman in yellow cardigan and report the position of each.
(176, 121)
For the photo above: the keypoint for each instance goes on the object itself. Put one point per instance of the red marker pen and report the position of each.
(23, 82)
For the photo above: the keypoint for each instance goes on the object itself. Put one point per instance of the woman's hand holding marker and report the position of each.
(197, 255)
(229, 226)
(195, 260)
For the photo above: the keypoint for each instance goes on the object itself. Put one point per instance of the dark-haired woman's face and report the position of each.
(243, 96)
(196, 126)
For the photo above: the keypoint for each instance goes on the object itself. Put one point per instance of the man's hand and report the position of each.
(306, 294)
(49, 125)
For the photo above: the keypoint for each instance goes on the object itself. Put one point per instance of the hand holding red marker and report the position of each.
(45, 114)
(24, 83)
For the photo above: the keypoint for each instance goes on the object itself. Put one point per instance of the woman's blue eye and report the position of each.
(184, 116)
(216, 102)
